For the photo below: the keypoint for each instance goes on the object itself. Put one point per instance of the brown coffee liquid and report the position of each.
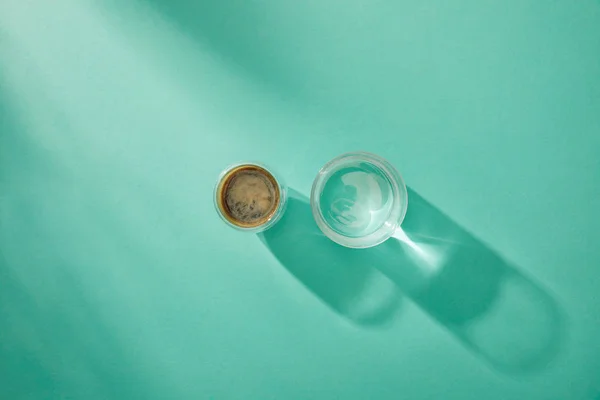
(248, 196)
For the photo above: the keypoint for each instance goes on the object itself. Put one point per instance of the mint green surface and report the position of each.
(119, 281)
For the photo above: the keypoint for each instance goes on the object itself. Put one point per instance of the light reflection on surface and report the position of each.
(428, 257)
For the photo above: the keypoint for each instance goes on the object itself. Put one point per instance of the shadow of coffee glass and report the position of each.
(337, 275)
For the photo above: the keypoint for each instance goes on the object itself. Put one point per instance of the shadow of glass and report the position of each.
(335, 274)
(493, 309)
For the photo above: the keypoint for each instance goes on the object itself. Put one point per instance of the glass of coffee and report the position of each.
(249, 197)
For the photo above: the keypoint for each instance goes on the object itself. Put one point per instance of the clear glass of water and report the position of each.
(358, 200)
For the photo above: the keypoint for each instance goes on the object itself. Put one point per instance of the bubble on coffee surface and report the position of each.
(249, 197)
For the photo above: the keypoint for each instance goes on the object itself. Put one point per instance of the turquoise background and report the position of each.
(119, 281)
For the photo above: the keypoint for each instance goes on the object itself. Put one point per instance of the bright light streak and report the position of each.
(429, 257)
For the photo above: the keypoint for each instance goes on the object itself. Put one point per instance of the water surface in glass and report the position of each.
(357, 199)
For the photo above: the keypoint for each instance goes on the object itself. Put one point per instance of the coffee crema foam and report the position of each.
(248, 196)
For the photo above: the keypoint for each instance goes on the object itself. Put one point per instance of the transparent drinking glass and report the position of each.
(358, 200)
